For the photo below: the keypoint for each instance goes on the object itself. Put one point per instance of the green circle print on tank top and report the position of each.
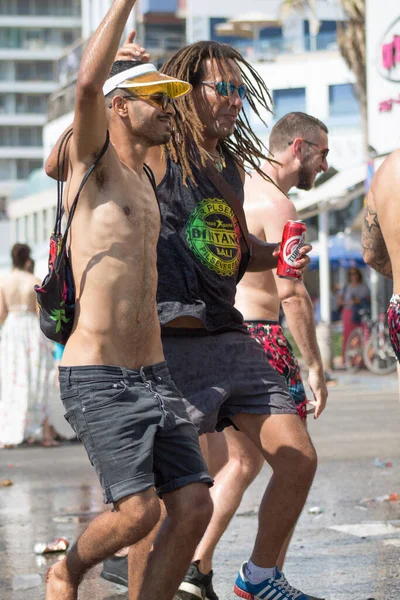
(213, 235)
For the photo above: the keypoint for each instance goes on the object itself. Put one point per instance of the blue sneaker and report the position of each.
(275, 588)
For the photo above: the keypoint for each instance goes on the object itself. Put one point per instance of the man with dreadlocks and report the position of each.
(222, 371)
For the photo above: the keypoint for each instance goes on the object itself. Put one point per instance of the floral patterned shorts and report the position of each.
(393, 315)
(280, 355)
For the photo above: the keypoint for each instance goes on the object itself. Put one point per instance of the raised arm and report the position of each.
(129, 51)
(90, 120)
(51, 164)
(374, 249)
(298, 309)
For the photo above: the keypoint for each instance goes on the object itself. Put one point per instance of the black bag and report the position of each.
(56, 295)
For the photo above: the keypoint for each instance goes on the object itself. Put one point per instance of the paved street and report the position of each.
(351, 551)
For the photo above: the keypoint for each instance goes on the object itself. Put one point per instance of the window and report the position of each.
(34, 71)
(31, 103)
(6, 104)
(6, 71)
(342, 100)
(272, 35)
(20, 136)
(30, 136)
(26, 166)
(164, 6)
(6, 136)
(289, 100)
(326, 38)
(6, 169)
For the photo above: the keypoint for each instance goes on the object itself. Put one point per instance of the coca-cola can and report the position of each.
(59, 545)
(293, 238)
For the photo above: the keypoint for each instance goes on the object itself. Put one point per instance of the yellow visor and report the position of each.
(145, 80)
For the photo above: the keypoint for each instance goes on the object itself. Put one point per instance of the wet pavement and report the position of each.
(350, 551)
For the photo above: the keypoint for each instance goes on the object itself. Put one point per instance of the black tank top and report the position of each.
(199, 250)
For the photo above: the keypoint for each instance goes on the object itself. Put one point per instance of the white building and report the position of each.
(32, 35)
(383, 75)
(318, 83)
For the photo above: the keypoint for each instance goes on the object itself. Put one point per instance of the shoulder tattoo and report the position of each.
(370, 218)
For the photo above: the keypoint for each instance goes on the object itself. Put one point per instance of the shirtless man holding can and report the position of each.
(380, 236)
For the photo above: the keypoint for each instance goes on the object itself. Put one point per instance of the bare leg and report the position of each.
(214, 447)
(130, 521)
(244, 464)
(189, 510)
(139, 555)
(48, 435)
(287, 447)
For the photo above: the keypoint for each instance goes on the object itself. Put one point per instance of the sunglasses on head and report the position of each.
(163, 101)
(227, 88)
(324, 150)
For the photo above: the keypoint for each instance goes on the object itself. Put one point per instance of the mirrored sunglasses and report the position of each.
(227, 88)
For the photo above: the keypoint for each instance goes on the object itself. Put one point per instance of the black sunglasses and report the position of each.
(324, 149)
(227, 88)
(163, 101)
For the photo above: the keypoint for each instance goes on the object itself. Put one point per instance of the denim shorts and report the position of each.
(135, 428)
(222, 375)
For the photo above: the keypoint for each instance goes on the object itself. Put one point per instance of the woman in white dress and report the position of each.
(26, 361)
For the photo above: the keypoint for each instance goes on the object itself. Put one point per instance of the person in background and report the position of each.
(335, 295)
(25, 358)
(355, 297)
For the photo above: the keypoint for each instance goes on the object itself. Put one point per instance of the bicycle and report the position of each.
(369, 345)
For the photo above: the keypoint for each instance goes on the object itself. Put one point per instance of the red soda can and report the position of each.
(59, 545)
(293, 238)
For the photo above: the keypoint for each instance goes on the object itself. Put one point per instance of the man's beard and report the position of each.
(159, 139)
(305, 177)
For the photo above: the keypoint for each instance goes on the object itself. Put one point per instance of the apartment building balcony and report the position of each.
(159, 6)
(160, 47)
(27, 152)
(22, 120)
(42, 8)
(269, 49)
(42, 22)
(67, 66)
(28, 87)
(45, 52)
(61, 102)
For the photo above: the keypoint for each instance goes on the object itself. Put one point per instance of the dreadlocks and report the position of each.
(185, 145)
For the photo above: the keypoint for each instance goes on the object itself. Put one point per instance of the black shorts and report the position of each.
(222, 375)
(135, 428)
